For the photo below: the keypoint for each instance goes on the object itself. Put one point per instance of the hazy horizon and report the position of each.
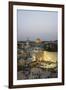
(35, 24)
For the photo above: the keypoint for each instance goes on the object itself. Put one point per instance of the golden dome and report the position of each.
(38, 40)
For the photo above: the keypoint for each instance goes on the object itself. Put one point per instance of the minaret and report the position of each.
(27, 42)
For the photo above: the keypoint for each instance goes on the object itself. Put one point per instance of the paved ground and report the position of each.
(35, 73)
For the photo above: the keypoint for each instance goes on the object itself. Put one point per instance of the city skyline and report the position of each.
(35, 24)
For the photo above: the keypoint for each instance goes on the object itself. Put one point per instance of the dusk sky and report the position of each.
(35, 24)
